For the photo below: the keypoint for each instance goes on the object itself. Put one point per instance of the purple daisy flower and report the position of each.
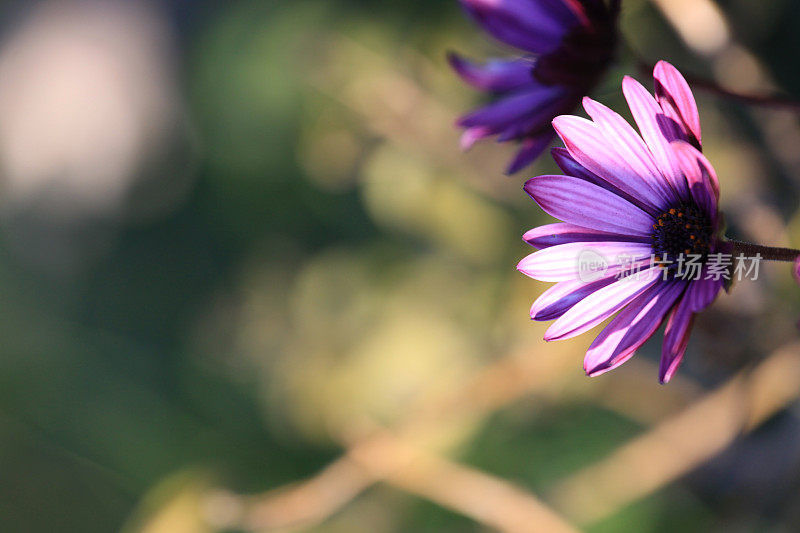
(569, 44)
(636, 204)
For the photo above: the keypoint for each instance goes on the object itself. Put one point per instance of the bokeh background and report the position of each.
(248, 282)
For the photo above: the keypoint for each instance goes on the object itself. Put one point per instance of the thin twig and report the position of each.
(712, 87)
(488, 500)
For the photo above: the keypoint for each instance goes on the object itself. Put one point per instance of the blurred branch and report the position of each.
(299, 505)
(773, 101)
(531, 370)
(494, 386)
(374, 456)
(484, 498)
(641, 467)
(683, 442)
(488, 500)
(712, 87)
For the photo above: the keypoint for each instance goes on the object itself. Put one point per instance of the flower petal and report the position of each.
(631, 328)
(601, 304)
(630, 146)
(699, 181)
(511, 108)
(585, 204)
(561, 263)
(703, 293)
(589, 146)
(527, 24)
(559, 298)
(564, 11)
(676, 99)
(656, 133)
(571, 167)
(473, 135)
(538, 119)
(499, 75)
(562, 233)
(676, 336)
(693, 162)
(530, 149)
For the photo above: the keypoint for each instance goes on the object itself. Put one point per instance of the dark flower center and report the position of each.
(682, 231)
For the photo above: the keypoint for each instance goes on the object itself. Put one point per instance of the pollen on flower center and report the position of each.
(682, 231)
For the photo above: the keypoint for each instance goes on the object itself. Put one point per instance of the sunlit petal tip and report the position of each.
(558, 122)
(473, 135)
(666, 375)
(550, 337)
(589, 103)
(597, 370)
(664, 68)
(522, 263)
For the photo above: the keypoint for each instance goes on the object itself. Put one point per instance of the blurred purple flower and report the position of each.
(631, 199)
(569, 44)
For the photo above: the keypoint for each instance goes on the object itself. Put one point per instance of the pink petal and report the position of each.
(600, 305)
(676, 337)
(560, 263)
(473, 135)
(631, 328)
(630, 146)
(705, 166)
(646, 112)
(677, 100)
(562, 233)
(571, 167)
(698, 173)
(588, 144)
(585, 204)
(559, 298)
